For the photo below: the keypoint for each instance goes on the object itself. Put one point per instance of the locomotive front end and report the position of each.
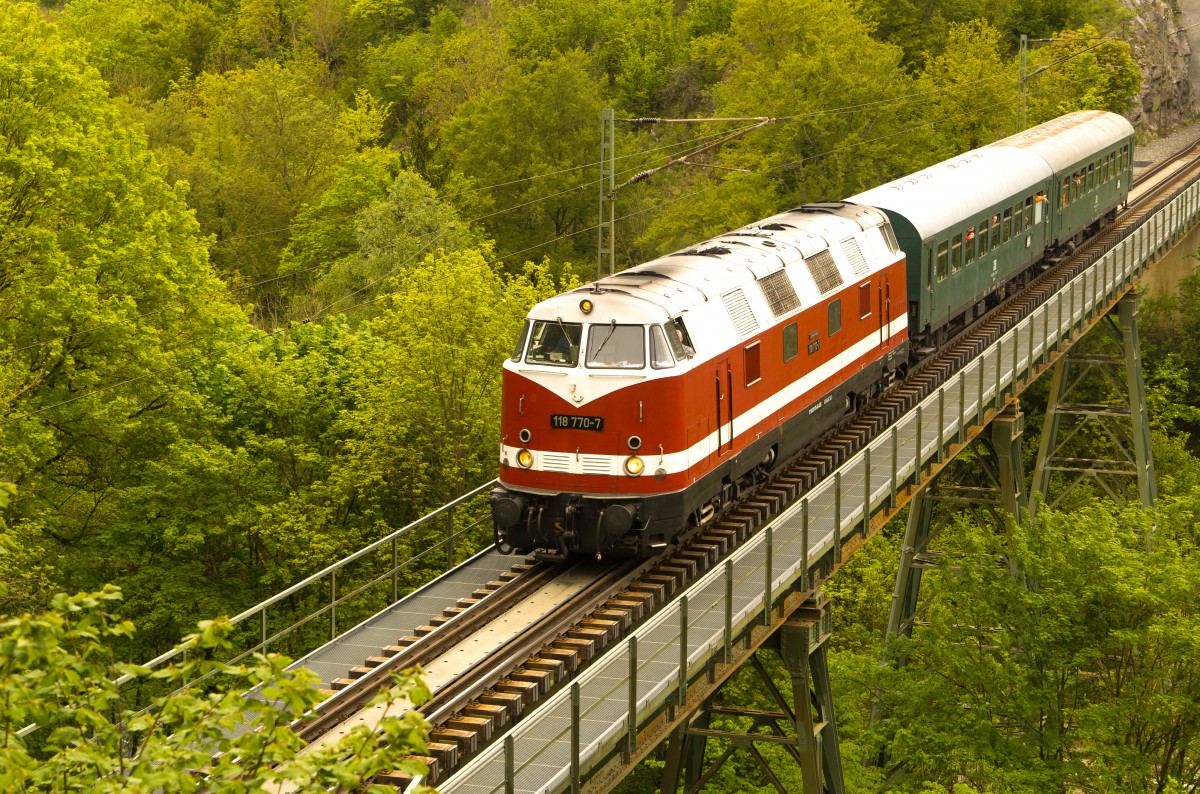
(591, 439)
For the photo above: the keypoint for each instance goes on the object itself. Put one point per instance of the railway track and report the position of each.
(536, 626)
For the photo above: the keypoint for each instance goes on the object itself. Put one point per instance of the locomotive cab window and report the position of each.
(521, 337)
(616, 347)
(753, 363)
(835, 315)
(660, 350)
(555, 343)
(678, 339)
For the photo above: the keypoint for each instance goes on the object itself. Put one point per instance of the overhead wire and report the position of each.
(317, 315)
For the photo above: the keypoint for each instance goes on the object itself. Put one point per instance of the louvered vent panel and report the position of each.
(780, 294)
(596, 464)
(858, 262)
(824, 272)
(740, 312)
(555, 462)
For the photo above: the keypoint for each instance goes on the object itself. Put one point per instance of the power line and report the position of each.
(320, 312)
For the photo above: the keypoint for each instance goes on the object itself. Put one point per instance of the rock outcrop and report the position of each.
(1161, 47)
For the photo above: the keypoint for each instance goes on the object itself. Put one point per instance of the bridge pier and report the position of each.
(1112, 379)
(804, 723)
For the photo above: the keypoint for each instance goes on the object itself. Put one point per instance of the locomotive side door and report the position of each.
(723, 391)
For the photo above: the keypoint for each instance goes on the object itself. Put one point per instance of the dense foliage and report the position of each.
(260, 260)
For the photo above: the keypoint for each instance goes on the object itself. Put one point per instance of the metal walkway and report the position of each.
(576, 733)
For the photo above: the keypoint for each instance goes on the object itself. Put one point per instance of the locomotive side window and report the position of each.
(521, 337)
(660, 351)
(864, 300)
(616, 347)
(680, 341)
(956, 254)
(752, 358)
(555, 343)
(890, 236)
(943, 257)
(835, 315)
(791, 341)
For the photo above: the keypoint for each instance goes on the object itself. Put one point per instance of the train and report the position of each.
(639, 407)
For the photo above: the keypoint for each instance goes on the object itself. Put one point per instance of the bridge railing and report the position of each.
(583, 727)
(315, 609)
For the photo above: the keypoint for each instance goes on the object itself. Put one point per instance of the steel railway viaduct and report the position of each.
(562, 678)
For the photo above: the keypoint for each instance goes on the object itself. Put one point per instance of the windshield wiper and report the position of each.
(612, 328)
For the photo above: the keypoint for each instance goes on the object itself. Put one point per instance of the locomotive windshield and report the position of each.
(616, 346)
(555, 343)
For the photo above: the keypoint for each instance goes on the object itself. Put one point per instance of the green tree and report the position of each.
(58, 668)
(256, 146)
(527, 141)
(1084, 71)
(968, 89)
(105, 296)
(429, 410)
(142, 46)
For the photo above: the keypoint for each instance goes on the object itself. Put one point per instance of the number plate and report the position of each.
(568, 422)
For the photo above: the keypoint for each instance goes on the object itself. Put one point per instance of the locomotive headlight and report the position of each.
(586, 306)
(634, 466)
(524, 459)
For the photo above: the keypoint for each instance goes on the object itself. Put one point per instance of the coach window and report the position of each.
(1007, 224)
(969, 246)
(943, 259)
(983, 238)
(835, 316)
(1029, 213)
(616, 347)
(791, 341)
(1017, 219)
(1066, 190)
(1091, 177)
(753, 362)
(956, 253)
(995, 232)
(660, 351)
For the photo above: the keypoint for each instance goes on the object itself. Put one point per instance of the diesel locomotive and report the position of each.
(641, 405)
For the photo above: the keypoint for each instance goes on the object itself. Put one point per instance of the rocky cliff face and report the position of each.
(1161, 48)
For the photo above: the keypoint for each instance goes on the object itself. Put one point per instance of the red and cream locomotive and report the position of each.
(642, 403)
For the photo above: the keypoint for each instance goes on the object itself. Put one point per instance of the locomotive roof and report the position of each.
(670, 284)
(952, 191)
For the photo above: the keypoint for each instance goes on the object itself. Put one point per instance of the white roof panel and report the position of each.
(952, 191)
(1069, 139)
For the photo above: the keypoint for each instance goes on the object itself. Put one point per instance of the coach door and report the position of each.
(723, 392)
